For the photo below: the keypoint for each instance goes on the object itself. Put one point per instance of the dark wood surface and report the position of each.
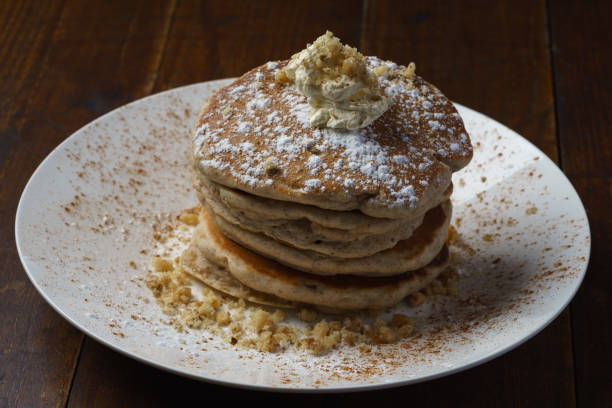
(542, 68)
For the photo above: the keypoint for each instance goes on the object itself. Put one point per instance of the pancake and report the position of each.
(335, 225)
(300, 235)
(325, 180)
(410, 254)
(217, 277)
(254, 136)
(336, 292)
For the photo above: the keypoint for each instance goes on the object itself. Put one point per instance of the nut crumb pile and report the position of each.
(246, 325)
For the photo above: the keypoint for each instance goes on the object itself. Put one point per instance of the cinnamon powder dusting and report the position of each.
(126, 186)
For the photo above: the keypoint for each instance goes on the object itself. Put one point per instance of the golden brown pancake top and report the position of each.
(254, 135)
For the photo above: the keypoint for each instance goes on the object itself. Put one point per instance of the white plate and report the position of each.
(517, 211)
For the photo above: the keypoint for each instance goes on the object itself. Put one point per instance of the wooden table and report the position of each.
(542, 68)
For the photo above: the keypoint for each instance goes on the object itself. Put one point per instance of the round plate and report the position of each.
(84, 226)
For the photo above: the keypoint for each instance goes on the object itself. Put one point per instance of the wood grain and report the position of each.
(582, 55)
(66, 62)
(490, 56)
(33, 338)
(70, 62)
(25, 33)
(592, 335)
(221, 39)
(501, 67)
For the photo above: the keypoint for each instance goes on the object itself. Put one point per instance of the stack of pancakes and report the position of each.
(336, 219)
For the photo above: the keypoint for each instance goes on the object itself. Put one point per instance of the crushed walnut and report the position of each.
(270, 166)
(250, 326)
(400, 74)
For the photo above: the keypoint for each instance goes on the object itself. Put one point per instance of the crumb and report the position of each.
(161, 265)
(189, 219)
(261, 320)
(270, 165)
(308, 315)
(452, 235)
(380, 70)
(251, 326)
(223, 318)
(282, 78)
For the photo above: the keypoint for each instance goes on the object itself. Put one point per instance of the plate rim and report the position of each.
(497, 352)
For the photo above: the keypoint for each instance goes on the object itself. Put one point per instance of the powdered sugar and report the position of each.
(311, 184)
(273, 117)
(406, 193)
(275, 123)
(400, 159)
(244, 127)
(236, 90)
(259, 103)
(315, 163)
(284, 144)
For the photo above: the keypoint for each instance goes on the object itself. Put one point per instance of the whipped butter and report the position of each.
(342, 92)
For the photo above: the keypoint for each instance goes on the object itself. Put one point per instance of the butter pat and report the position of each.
(342, 91)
